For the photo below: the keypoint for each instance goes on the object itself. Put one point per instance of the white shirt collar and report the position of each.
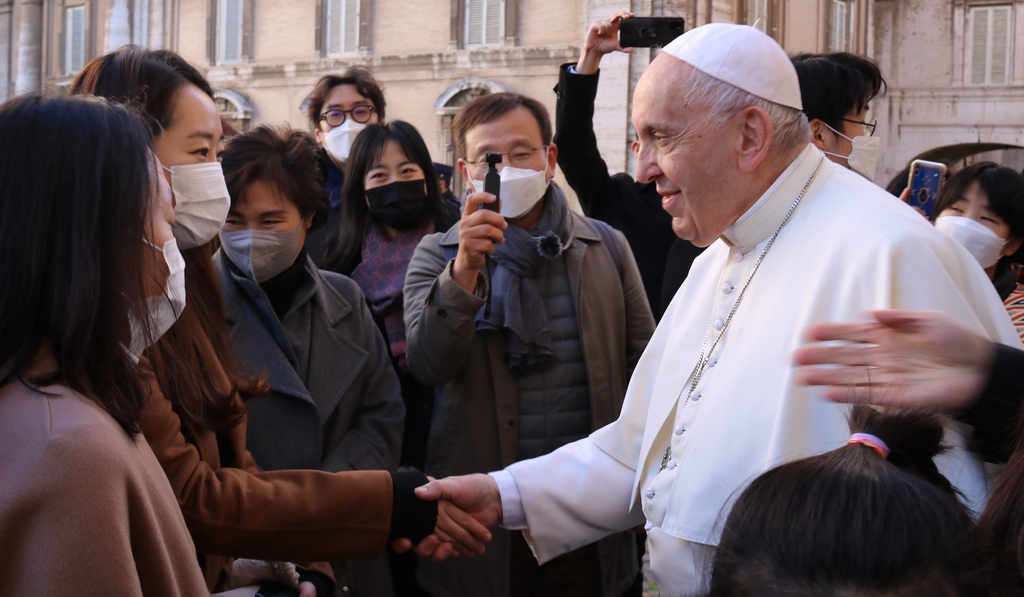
(766, 214)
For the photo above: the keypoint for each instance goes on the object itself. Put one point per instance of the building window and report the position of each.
(485, 22)
(74, 39)
(757, 14)
(839, 27)
(342, 36)
(229, 31)
(989, 45)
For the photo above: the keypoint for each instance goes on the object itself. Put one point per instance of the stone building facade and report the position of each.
(956, 76)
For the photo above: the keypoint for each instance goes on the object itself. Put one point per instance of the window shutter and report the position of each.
(757, 14)
(474, 22)
(990, 45)
(840, 25)
(335, 12)
(74, 39)
(351, 25)
(231, 31)
(494, 31)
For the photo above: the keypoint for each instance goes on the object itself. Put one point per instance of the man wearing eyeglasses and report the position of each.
(836, 90)
(340, 107)
(532, 318)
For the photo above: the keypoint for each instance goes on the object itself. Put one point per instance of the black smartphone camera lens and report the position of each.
(648, 33)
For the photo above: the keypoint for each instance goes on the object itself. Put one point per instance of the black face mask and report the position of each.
(399, 204)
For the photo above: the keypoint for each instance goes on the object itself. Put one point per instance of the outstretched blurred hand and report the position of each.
(910, 359)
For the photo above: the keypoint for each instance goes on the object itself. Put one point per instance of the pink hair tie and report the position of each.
(870, 441)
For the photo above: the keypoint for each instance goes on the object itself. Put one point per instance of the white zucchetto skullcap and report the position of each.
(742, 56)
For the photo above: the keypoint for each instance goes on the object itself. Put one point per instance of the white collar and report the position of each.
(766, 214)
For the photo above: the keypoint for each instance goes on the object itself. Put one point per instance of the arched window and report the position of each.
(447, 105)
(235, 109)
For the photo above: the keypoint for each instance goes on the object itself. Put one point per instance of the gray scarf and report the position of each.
(517, 307)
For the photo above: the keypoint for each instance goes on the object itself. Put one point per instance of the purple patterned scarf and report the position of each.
(381, 275)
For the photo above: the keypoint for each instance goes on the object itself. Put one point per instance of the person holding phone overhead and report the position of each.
(627, 205)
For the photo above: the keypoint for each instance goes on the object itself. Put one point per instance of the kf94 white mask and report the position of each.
(863, 158)
(163, 310)
(521, 189)
(977, 238)
(201, 202)
(338, 141)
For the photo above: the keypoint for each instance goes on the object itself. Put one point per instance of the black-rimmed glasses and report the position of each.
(360, 114)
(869, 127)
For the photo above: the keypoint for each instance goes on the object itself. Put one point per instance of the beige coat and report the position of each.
(84, 509)
(475, 425)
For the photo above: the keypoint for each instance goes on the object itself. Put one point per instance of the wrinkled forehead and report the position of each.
(659, 100)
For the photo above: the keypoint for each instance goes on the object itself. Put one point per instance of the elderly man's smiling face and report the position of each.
(686, 153)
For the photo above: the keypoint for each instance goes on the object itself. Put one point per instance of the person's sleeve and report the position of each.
(578, 156)
(996, 414)
(288, 515)
(373, 437)
(513, 517)
(440, 315)
(639, 320)
(573, 497)
(411, 518)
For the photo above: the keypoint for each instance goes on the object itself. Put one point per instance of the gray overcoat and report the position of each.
(336, 404)
(474, 429)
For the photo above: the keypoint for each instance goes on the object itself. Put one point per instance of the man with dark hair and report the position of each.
(340, 107)
(531, 317)
(836, 89)
(444, 181)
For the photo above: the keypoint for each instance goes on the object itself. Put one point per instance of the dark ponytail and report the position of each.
(851, 521)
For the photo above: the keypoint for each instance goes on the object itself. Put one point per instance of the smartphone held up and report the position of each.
(925, 179)
(649, 32)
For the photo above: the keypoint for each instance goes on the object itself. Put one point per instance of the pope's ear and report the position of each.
(756, 135)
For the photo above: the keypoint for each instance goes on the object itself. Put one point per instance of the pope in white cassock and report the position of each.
(794, 240)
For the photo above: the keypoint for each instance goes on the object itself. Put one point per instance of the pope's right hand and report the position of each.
(476, 495)
(479, 230)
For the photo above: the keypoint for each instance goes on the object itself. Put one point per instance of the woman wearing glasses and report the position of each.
(340, 107)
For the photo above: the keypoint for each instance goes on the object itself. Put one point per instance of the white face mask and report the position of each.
(338, 141)
(977, 238)
(863, 158)
(163, 310)
(261, 254)
(521, 189)
(201, 202)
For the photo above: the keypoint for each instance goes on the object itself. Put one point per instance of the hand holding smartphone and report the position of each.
(648, 32)
(925, 179)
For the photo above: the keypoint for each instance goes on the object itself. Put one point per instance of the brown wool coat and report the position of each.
(84, 509)
(233, 509)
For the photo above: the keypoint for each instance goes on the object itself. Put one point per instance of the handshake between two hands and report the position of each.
(466, 507)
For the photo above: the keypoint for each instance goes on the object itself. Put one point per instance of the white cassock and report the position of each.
(849, 248)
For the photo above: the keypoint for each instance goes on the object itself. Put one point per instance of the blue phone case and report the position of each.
(924, 187)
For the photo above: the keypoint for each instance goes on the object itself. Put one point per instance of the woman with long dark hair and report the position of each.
(89, 278)
(874, 518)
(391, 201)
(194, 417)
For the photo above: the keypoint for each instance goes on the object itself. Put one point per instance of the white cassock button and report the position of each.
(679, 430)
(712, 362)
(718, 324)
(737, 256)
(727, 288)
(649, 492)
(697, 396)
(648, 526)
(672, 464)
